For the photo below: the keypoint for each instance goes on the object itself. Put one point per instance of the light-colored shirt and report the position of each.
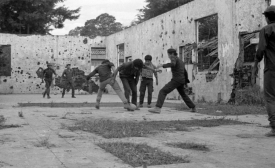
(147, 73)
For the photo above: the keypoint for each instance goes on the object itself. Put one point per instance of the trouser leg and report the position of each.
(133, 86)
(102, 86)
(150, 91)
(72, 86)
(269, 92)
(142, 90)
(119, 92)
(169, 87)
(127, 88)
(185, 97)
(48, 85)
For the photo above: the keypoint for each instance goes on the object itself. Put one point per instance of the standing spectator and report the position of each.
(48, 78)
(68, 75)
(147, 81)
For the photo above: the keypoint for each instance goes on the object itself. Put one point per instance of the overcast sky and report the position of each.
(124, 11)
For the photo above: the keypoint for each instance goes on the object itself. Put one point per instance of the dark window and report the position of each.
(208, 43)
(5, 60)
(186, 53)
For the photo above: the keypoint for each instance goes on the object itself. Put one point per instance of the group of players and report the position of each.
(130, 73)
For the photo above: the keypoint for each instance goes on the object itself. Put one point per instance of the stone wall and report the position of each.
(29, 52)
(178, 27)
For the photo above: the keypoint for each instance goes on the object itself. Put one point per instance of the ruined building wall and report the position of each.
(30, 52)
(178, 27)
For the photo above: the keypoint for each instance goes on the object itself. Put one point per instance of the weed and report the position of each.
(192, 146)
(64, 117)
(2, 120)
(20, 114)
(136, 154)
(121, 129)
(44, 142)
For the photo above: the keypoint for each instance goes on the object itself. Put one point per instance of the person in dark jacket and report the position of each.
(266, 49)
(68, 76)
(178, 82)
(129, 74)
(48, 78)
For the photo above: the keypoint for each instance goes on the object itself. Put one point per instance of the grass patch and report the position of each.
(52, 116)
(122, 129)
(224, 109)
(192, 146)
(137, 155)
(9, 126)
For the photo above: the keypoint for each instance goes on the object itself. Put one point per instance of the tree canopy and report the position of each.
(157, 7)
(103, 25)
(33, 16)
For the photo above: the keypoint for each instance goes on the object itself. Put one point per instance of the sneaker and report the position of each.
(62, 96)
(155, 110)
(73, 97)
(49, 97)
(149, 106)
(193, 110)
(271, 133)
(140, 105)
(137, 108)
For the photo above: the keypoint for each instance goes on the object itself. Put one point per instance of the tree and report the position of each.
(103, 25)
(158, 7)
(33, 16)
(76, 31)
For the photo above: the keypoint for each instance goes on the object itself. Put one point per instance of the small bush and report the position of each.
(250, 96)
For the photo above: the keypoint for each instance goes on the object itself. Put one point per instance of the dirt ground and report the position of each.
(42, 142)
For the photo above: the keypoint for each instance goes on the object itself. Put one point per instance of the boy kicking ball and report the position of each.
(106, 78)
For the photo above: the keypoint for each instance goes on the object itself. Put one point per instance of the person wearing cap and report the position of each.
(129, 73)
(178, 82)
(68, 76)
(106, 78)
(48, 78)
(266, 49)
(147, 81)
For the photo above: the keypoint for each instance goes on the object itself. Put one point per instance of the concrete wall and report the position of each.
(32, 51)
(178, 27)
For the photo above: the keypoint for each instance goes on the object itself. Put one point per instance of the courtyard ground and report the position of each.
(59, 133)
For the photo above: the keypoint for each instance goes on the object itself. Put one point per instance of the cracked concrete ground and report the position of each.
(233, 146)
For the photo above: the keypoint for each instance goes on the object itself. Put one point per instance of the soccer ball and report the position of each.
(132, 107)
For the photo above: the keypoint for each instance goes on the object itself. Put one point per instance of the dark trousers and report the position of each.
(48, 87)
(71, 85)
(169, 87)
(130, 85)
(146, 82)
(269, 92)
